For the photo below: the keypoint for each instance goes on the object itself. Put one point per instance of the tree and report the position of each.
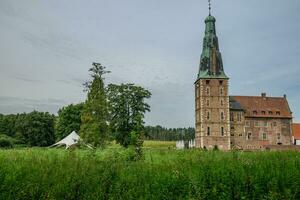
(36, 128)
(94, 118)
(7, 124)
(69, 119)
(127, 107)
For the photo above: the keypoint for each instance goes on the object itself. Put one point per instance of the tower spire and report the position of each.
(211, 65)
(209, 7)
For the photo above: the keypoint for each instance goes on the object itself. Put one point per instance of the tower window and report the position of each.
(207, 91)
(207, 102)
(221, 82)
(207, 82)
(208, 131)
(221, 91)
(222, 131)
(222, 116)
(222, 102)
(208, 115)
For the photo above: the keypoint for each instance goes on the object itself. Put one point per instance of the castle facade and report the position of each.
(234, 122)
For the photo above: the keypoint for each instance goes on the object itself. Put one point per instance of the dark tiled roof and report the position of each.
(234, 105)
(259, 106)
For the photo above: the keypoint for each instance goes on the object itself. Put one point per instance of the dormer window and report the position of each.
(263, 112)
(270, 113)
(277, 113)
(254, 112)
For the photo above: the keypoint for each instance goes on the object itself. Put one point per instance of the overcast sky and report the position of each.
(47, 47)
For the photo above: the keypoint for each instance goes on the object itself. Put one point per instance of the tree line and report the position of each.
(110, 112)
(168, 134)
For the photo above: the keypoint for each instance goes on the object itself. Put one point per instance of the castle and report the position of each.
(234, 122)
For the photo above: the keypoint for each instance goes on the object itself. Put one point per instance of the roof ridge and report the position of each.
(256, 96)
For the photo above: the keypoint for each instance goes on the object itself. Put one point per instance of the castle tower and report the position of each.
(211, 94)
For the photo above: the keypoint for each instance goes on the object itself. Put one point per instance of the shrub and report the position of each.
(5, 143)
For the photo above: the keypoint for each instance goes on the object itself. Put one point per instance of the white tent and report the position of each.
(70, 140)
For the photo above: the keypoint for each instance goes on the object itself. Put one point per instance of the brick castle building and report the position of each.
(228, 122)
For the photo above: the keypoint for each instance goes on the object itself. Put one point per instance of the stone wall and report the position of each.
(259, 132)
(212, 113)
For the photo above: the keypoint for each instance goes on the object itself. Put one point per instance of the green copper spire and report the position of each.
(211, 65)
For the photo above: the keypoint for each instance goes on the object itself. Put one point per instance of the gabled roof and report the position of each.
(263, 106)
(296, 131)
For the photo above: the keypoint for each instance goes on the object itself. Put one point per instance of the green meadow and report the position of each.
(163, 173)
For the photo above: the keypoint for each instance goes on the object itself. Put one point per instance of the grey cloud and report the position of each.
(28, 79)
(16, 105)
(155, 44)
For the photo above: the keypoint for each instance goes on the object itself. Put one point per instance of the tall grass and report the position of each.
(162, 174)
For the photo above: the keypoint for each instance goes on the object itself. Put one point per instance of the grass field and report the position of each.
(159, 144)
(162, 174)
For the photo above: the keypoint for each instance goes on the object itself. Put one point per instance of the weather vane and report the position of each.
(209, 6)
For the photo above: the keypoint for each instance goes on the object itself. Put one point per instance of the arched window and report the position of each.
(222, 102)
(207, 102)
(208, 115)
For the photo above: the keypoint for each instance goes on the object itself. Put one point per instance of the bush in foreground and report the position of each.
(163, 174)
(5, 143)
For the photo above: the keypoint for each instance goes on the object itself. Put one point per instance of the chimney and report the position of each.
(284, 96)
(264, 95)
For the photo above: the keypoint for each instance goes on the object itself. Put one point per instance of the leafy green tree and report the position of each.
(7, 124)
(69, 119)
(127, 107)
(94, 119)
(36, 128)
